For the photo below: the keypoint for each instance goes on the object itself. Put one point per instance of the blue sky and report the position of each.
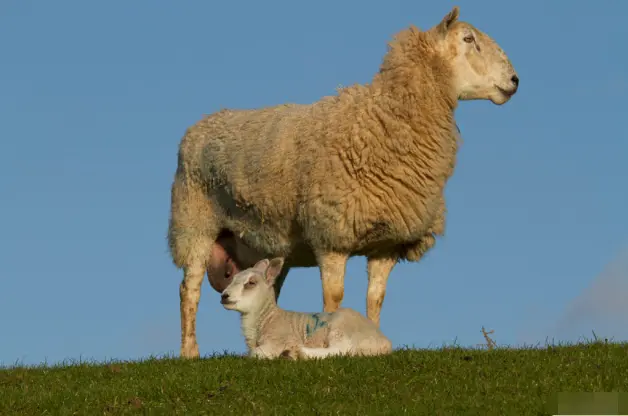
(95, 97)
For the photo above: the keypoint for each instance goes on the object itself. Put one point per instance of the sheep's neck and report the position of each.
(254, 322)
(410, 106)
(414, 80)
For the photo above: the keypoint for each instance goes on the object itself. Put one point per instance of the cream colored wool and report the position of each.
(362, 172)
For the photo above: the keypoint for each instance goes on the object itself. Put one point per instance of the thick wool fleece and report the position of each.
(360, 172)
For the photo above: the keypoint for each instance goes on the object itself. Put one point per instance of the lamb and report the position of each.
(361, 172)
(272, 332)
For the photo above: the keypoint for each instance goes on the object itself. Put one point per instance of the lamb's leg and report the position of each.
(332, 269)
(379, 269)
(339, 348)
(261, 353)
(310, 352)
(270, 351)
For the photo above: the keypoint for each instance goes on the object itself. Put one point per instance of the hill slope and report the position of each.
(446, 381)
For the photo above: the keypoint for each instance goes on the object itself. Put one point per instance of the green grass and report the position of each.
(452, 381)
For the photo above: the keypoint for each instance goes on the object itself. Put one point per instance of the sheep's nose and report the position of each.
(224, 297)
(515, 80)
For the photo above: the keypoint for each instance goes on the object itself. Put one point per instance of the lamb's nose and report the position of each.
(515, 80)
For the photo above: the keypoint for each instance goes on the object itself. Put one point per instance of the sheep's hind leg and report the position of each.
(379, 269)
(332, 269)
(190, 294)
(192, 232)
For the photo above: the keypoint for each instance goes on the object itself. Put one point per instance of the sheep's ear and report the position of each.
(261, 265)
(448, 20)
(273, 269)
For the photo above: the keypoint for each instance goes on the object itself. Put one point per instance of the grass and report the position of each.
(452, 381)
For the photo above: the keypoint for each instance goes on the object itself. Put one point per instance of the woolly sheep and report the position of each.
(362, 172)
(272, 332)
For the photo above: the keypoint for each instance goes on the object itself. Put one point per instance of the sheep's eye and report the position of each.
(250, 283)
(469, 39)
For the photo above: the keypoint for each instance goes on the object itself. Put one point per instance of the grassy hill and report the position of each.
(453, 381)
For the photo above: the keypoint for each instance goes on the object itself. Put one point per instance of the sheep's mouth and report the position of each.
(507, 93)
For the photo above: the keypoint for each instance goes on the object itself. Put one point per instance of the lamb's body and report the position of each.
(271, 331)
(360, 173)
(314, 335)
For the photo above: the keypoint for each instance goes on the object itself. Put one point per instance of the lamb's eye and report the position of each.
(250, 283)
(469, 39)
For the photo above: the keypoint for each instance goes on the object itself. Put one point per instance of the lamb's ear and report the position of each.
(448, 20)
(261, 265)
(273, 270)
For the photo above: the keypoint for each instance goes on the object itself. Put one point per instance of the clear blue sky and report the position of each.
(95, 97)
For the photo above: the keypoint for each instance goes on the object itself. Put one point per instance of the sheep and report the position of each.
(358, 173)
(272, 332)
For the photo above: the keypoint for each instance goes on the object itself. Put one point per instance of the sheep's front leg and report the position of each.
(190, 294)
(379, 269)
(332, 267)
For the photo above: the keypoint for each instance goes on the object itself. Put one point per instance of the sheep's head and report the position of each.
(482, 71)
(253, 287)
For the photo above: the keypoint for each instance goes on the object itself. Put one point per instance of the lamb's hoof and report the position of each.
(289, 354)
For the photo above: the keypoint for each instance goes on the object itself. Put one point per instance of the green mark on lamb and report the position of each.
(318, 323)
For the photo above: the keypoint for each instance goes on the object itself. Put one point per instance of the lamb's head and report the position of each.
(482, 71)
(252, 288)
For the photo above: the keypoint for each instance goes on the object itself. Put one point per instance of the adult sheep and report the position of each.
(359, 173)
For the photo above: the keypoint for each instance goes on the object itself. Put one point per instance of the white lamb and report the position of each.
(272, 332)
